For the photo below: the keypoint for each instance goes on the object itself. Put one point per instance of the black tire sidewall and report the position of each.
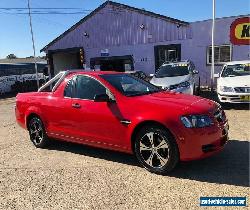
(44, 141)
(174, 152)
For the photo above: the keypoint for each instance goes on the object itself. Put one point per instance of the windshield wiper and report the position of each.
(145, 93)
(135, 94)
(156, 91)
(171, 75)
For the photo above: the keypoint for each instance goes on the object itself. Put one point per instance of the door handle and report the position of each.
(76, 105)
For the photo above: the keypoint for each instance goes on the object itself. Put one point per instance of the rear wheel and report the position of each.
(156, 149)
(37, 132)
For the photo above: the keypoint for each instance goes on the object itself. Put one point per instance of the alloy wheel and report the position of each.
(36, 131)
(154, 149)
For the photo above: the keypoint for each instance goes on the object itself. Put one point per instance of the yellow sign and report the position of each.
(239, 31)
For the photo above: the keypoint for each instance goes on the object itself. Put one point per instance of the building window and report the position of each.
(222, 54)
(165, 53)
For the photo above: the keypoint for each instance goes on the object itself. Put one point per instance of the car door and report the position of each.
(94, 122)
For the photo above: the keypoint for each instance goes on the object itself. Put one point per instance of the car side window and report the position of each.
(68, 89)
(87, 87)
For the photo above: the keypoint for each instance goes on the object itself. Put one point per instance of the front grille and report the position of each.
(242, 89)
(231, 98)
(220, 115)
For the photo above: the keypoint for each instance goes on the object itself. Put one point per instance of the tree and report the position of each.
(30, 56)
(11, 56)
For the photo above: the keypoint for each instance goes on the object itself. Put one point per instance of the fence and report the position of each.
(20, 77)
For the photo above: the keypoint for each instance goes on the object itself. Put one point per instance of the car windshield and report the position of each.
(236, 70)
(129, 85)
(172, 70)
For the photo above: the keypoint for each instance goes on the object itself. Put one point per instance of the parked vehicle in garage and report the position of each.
(116, 111)
(176, 76)
(233, 84)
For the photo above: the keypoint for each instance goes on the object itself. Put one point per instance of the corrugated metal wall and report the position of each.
(113, 26)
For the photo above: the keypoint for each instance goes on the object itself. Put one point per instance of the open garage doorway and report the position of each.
(114, 63)
(65, 59)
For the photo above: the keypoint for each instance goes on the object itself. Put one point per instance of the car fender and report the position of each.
(37, 111)
(165, 121)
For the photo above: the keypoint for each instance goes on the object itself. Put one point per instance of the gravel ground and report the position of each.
(70, 176)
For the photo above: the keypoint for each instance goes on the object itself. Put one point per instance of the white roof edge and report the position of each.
(238, 62)
(219, 18)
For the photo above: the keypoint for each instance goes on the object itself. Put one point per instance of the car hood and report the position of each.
(184, 103)
(167, 81)
(240, 81)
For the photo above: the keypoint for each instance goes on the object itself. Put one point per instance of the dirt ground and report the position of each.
(70, 176)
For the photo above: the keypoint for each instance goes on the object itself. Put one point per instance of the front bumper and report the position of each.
(199, 143)
(186, 90)
(234, 98)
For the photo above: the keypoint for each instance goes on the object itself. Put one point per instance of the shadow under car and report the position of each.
(231, 166)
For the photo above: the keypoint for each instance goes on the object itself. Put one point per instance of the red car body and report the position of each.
(102, 124)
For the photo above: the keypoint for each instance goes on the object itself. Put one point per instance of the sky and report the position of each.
(15, 32)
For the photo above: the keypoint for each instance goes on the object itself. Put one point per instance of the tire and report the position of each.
(37, 132)
(160, 158)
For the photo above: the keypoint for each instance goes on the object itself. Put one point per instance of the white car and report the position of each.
(176, 76)
(233, 84)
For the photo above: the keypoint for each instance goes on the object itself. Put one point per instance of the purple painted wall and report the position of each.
(115, 27)
(196, 49)
(118, 30)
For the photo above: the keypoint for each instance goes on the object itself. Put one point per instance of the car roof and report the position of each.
(91, 72)
(237, 62)
(65, 74)
(177, 62)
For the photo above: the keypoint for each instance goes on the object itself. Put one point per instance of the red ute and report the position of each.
(120, 112)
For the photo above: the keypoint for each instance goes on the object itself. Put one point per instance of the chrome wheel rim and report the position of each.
(36, 132)
(154, 149)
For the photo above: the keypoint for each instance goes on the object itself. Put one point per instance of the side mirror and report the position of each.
(102, 98)
(216, 75)
(195, 72)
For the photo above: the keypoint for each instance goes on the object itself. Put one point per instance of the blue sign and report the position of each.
(104, 54)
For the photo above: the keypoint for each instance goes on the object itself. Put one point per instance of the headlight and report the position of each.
(184, 84)
(226, 89)
(196, 121)
(165, 88)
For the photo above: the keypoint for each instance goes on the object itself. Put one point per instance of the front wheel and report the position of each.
(156, 149)
(37, 132)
